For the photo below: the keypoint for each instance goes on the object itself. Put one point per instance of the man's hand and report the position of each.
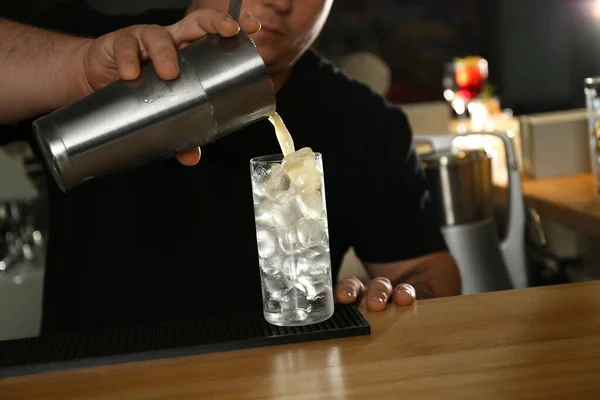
(402, 282)
(119, 54)
(376, 295)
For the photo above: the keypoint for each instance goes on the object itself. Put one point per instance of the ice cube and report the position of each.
(286, 211)
(289, 242)
(309, 288)
(315, 277)
(277, 183)
(296, 159)
(291, 209)
(313, 268)
(314, 204)
(260, 176)
(267, 213)
(270, 182)
(305, 234)
(266, 240)
(312, 232)
(295, 298)
(271, 263)
(272, 292)
(273, 278)
(280, 265)
(301, 166)
(273, 303)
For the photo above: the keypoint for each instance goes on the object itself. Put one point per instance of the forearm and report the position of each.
(433, 279)
(39, 71)
(434, 275)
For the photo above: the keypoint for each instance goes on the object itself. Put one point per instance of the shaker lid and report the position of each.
(453, 157)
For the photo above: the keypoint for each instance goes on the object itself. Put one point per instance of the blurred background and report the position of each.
(539, 51)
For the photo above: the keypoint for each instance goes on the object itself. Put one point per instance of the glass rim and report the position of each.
(275, 158)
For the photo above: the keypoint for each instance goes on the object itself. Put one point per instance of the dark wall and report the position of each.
(584, 46)
(544, 50)
(539, 51)
(533, 54)
(414, 37)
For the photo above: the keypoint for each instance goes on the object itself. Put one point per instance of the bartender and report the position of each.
(170, 241)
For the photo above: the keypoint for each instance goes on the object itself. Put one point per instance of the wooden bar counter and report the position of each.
(538, 343)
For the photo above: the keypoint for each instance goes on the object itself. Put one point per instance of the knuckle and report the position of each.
(166, 52)
(154, 30)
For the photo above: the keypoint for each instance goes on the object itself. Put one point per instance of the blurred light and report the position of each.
(462, 78)
(465, 94)
(479, 115)
(27, 252)
(448, 95)
(483, 64)
(458, 105)
(596, 9)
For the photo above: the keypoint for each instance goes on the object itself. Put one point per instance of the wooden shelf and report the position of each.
(568, 201)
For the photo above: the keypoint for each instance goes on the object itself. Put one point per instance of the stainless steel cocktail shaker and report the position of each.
(223, 86)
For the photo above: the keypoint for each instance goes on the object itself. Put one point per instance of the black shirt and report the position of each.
(166, 241)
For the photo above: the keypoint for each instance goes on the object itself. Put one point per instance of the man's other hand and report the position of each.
(376, 295)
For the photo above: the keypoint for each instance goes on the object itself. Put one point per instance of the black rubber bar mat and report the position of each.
(233, 332)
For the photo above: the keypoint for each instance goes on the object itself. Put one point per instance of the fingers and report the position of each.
(160, 47)
(126, 52)
(378, 294)
(349, 290)
(143, 42)
(189, 158)
(249, 24)
(404, 294)
(202, 22)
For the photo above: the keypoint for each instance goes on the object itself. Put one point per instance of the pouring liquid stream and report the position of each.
(283, 135)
